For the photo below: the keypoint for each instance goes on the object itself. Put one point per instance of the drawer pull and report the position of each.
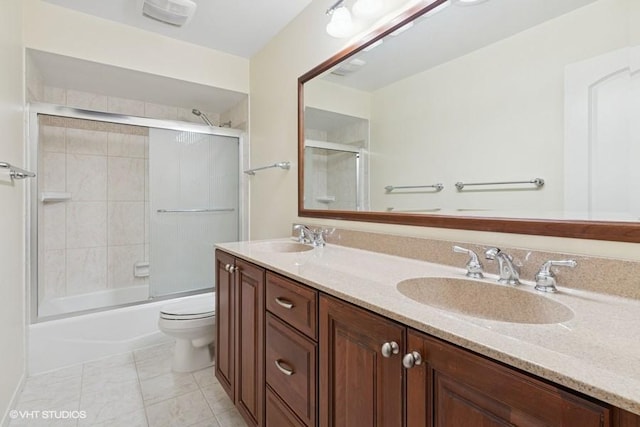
(285, 370)
(284, 303)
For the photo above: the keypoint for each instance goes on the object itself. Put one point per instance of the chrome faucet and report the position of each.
(314, 236)
(509, 273)
(546, 279)
(474, 266)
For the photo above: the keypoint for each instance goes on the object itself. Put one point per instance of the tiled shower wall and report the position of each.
(332, 170)
(92, 241)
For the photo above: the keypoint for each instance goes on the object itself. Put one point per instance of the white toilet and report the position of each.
(192, 323)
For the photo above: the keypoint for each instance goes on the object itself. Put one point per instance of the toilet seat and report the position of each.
(188, 310)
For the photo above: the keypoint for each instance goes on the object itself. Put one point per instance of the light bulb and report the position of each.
(340, 24)
(367, 8)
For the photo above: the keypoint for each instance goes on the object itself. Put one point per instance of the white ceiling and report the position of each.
(448, 34)
(238, 27)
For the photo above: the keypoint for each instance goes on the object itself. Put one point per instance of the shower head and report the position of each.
(200, 114)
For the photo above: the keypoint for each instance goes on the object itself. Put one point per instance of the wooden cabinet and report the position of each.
(290, 356)
(240, 334)
(291, 353)
(453, 387)
(359, 386)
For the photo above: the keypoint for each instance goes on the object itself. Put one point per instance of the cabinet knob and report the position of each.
(390, 348)
(411, 359)
(285, 370)
(227, 267)
(233, 268)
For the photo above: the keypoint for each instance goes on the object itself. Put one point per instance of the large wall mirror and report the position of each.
(496, 115)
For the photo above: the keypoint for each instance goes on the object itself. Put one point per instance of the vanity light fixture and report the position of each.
(365, 12)
(340, 24)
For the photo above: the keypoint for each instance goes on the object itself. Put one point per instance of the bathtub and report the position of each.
(55, 344)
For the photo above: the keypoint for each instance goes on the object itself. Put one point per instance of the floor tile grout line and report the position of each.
(144, 406)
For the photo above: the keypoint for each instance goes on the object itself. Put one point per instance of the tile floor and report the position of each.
(134, 389)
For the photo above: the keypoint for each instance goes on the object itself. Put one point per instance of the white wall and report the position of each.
(12, 267)
(52, 28)
(273, 78)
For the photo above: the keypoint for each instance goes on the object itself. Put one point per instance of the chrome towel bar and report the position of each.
(281, 165)
(16, 172)
(195, 210)
(538, 182)
(390, 188)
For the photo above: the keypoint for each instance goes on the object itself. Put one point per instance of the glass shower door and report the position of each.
(332, 177)
(194, 204)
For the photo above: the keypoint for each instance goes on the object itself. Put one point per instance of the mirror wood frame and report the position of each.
(581, 229)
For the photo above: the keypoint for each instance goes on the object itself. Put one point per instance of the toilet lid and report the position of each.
(194, 309)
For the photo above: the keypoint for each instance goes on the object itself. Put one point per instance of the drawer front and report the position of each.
(291, 368)
(293, 303)
(278, 414)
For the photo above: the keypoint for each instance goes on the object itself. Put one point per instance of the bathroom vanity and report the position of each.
(325, 337)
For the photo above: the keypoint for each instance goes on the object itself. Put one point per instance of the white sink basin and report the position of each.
(283, 247)
(485, 300)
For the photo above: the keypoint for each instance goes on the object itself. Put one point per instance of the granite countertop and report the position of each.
(597, 352)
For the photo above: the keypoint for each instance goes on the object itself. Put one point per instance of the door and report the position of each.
(453, 387)
(249, 357)
(602, 122)
(225, 322)
(358, 385)
(194, 204)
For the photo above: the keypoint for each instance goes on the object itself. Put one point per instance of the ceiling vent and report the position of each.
(346, 68)
(174, 12)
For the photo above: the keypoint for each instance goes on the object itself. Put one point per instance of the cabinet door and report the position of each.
(454, 387)
(249, 321)
(225, 319)
(358, 385)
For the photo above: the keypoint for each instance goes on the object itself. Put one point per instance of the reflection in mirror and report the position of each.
(334, 155)
(501, 92)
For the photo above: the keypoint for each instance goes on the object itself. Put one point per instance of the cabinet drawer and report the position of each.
(291, 368)
(293, 303)
(278, 414)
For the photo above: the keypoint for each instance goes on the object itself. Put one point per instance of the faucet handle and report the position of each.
(474, 266)
(546, 279)
(302, 235)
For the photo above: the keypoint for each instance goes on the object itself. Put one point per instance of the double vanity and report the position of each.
(335, 335)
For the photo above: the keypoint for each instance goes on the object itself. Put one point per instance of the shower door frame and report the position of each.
(31, 196)
(361, 198)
